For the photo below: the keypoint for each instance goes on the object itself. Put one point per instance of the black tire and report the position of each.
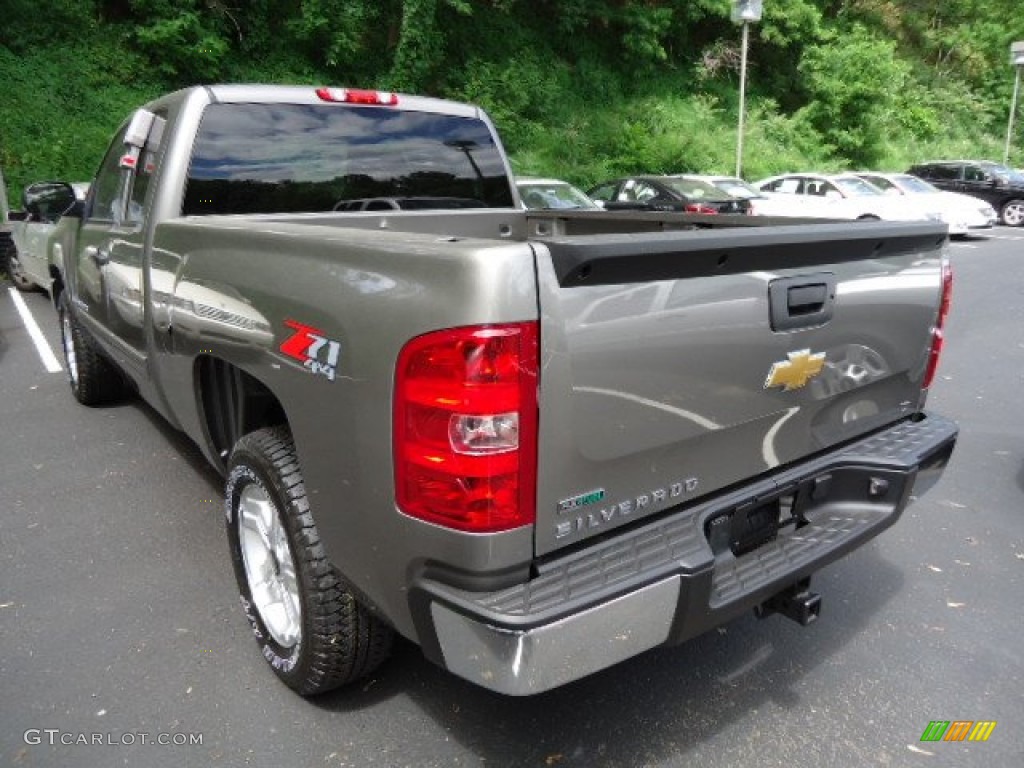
(12, 265)
(317, 635)
(1012, 213)
(94, 380)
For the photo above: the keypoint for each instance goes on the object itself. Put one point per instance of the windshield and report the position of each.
(538, 195)
(290, 158)
(1005, 174)
(910, 183)
(695, 190)
(851, 186)
(737, 188)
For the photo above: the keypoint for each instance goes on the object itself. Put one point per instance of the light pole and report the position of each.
(1017, 60)
(744, 12)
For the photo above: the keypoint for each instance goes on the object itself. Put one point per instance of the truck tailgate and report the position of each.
(675, 365)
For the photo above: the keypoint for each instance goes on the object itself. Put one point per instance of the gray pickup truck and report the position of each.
(535, 443)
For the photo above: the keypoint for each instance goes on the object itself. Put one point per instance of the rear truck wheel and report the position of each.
(93, 379)
(1012, 213)
(311, 629)
(14, 270)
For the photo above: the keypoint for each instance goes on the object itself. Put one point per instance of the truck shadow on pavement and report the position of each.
(655, 708)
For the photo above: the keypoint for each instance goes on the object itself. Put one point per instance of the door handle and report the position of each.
(98, 255)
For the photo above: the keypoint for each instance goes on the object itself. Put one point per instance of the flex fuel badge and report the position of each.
(312, 349)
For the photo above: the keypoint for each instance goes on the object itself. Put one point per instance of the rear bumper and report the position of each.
(662, 582)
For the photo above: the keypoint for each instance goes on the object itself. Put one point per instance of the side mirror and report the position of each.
(47, 201)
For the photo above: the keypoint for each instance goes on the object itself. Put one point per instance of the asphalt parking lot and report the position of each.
(120, 625)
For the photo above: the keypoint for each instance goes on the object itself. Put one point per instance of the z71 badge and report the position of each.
(310, 347)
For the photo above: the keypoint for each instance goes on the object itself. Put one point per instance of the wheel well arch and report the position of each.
(232, 403)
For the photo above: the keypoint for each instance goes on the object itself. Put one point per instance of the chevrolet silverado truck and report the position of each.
(536, 444)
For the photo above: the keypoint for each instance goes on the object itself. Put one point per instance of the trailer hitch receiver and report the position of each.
(796, 602)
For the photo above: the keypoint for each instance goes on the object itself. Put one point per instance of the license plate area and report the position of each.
(749, 526)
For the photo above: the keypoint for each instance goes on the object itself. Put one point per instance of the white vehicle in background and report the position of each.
(761, 204)
(962, 213)
(552, 194)
(844, 196)
(29, 257)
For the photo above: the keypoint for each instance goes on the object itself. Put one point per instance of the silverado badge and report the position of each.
(795, 372)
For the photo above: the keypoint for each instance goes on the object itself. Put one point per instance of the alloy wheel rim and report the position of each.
(1014, 214)
(269, 566)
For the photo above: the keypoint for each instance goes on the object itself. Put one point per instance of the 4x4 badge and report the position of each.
(795, 372)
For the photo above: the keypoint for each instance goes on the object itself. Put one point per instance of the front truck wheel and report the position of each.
(311, 629)
(93, 379)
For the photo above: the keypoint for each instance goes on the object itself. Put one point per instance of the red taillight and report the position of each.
(699, 208)
(357, 96)
(937, 338)
(465, 429)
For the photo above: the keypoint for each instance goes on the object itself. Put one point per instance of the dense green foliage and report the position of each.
(580, 89)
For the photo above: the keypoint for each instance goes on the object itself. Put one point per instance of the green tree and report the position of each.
(855, 83)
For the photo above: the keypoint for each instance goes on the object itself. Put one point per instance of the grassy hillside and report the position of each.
(580, 90)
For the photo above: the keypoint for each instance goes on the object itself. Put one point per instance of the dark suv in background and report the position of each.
(994, 183)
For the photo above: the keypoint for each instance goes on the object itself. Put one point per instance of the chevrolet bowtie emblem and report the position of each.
(794, 373)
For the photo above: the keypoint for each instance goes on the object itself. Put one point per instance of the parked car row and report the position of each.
(967, 195)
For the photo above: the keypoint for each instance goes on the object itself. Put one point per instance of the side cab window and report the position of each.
(119, 191)
(945, 172)
(974, 173)
(106, 196)
(644, 192)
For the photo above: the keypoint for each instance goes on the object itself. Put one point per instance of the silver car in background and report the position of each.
(963, 213)
(29, 257)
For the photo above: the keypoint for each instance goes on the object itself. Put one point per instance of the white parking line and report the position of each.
(42, 346)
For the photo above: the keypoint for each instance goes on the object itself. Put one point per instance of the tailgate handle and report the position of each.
(804, 301)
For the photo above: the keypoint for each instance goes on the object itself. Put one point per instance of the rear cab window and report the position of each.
(297, 158)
